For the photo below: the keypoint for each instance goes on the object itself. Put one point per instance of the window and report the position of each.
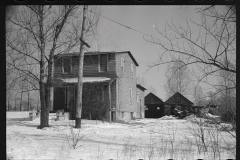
(122, 65)
(58, 62)
(137, 97)
(111, 57)
(66, 64)
(87, 60)
(130, 89)
(75, 61)
(103, 62)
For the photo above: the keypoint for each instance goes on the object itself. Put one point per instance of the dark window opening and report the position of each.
(75, 61)
(58, 62)
(103, 62)
(87, 60)
(111, 57)
(66, 65)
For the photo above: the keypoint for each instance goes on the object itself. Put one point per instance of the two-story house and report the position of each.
(115, 72)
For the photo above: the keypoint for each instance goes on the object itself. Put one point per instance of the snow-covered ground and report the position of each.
(162, 138)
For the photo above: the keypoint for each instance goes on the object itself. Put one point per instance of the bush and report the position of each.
(228, 116)
(211, 111)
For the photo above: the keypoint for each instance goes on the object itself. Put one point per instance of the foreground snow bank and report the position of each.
(135, 139)
(168, 118)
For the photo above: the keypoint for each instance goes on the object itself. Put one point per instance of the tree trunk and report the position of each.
(8, 104)
(80, 75)
(15, 104)
(28, 102)
(37, 104)
(44, 109)
(21, 101)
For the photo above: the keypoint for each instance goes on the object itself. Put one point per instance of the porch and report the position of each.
(98, 97)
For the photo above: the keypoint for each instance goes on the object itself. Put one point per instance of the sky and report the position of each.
(115, 37)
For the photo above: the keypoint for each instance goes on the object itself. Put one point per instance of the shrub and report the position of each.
(228, 116)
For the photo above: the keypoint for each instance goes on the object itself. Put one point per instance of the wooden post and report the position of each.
(80, 75)
(117, 100)
(109, 95)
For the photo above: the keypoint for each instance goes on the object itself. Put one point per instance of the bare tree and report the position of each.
(227, 89)
(34, 35)
(206, 44)
(199, 96)
(142, 81)
(178, 78)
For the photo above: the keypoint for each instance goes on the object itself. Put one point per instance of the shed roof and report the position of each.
(96, 52)
(152, 99)
(172, 99)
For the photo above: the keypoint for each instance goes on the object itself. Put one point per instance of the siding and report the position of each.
(126, 82)
(113, 95)
(142, 105)
(89, 69)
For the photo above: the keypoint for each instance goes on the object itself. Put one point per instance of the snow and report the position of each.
(212, 116)
(102, 140)
(17, 114)
(86, 79)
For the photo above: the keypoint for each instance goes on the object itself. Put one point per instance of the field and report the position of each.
(163, 138)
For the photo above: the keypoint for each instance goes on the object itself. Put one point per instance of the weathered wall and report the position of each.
(126, 81)
(90, 69)
(140, 104)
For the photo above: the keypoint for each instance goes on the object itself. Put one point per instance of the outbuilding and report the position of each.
(154, 106)
(177, 100)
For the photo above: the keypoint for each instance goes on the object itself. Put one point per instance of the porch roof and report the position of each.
(86, 80)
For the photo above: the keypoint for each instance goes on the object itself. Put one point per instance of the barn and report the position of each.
(177, 100)
(154, 106)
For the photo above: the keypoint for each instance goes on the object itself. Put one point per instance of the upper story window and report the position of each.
(131, 70)
(122, 65)
(130, 96)
(103, 62)
(111, 57)
(90, 60)
(66, 64)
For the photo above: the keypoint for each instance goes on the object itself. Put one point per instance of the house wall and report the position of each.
(126, 81)
(140, 104)
(120, 93)
(89, 70)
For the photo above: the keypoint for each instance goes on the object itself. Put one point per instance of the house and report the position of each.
(114, 73)
(154, 106)
(140, 101)
(177, 100)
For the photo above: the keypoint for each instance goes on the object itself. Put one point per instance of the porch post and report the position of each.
(117, 100)
(109, 95)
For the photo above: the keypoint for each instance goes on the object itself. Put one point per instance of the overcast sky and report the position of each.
(115, 37)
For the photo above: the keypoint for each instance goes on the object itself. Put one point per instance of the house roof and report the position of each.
(86, 80)
(177, 94)
(96, 52)
(141, 87)
(152, 99)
